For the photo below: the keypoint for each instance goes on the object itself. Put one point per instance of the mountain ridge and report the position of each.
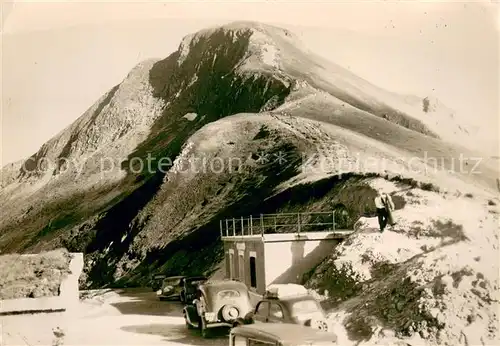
(247, 123)
(270, 32)
(145, 113)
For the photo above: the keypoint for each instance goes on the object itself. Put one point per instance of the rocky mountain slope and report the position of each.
(431, 279)
(242, 120)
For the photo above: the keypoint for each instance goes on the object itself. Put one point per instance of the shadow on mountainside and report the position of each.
(201, 249)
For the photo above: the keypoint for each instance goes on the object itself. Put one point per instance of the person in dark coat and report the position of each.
(385, 206)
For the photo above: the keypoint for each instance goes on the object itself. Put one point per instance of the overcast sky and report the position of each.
(58, 58)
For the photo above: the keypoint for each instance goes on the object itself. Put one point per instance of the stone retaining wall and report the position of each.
(67, 300)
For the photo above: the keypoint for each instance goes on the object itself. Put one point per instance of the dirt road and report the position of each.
(126, 317)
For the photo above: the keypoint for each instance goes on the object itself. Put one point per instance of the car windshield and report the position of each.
(306, 309)
(194, 283)
(228, 294)
(171, 282)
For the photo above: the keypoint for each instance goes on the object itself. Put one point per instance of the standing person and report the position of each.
(389, 207)
(385, 206)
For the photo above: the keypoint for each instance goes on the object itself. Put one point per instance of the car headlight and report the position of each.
(158, 292)
(210, 316)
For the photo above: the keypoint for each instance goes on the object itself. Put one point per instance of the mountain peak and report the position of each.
(268, 29)
(263, 40)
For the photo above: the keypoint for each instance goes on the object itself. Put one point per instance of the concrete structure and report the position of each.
(67, 300)
(259, 259)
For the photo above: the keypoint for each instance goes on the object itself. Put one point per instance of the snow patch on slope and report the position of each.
(190, 116)
(193, 80)
(270, 55)
(185, 46)
(181, 163)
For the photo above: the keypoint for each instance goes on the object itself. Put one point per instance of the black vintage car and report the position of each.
(156, 281)
(189, 286)
(217, 304)
(171, 288)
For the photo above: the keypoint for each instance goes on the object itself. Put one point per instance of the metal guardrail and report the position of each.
(278, 223)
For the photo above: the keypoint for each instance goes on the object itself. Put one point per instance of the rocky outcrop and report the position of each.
(33, 275)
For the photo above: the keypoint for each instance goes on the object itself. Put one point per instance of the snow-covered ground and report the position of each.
(443, 246)
(107, 318)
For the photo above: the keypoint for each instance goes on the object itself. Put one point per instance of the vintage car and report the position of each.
(289, 303)
(189, 286)
(279, 334)
(156, 281)
(171, 288)
(218, 303)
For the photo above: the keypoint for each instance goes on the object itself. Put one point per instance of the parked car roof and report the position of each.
(194, 278)
(285, 332)
(226, 284)
(175, 277)
(290, 300)
(211, 287)
(285, 290)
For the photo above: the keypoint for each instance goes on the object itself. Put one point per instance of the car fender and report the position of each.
(191, 314)
(200, 305)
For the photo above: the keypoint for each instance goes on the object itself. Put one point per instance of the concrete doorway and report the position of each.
(253, 273)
